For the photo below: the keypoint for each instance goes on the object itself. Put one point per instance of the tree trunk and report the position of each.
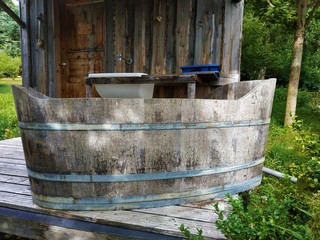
(296, 62)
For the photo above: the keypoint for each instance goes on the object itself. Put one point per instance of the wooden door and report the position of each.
(81, 43)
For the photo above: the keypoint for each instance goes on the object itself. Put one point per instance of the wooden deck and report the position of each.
(19, 216)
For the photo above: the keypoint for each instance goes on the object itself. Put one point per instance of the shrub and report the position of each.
(9, 66)
(279, 209)
(261, 215)
(187, 234)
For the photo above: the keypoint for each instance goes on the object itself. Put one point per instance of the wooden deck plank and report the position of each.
(14, 179)
(11, 154)
(15, 197)
(53, 227)
(152, 222)
(12, 160)
(223, 204)
(6, 146)
(183, 212)
(12, 141)
(162, 221)
(14, 188)
(158, 223)
(27, 228)
(17, 201)
(13, 169)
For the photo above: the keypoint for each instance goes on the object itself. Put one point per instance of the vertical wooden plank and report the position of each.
(38, 53)
(41, 56)
(96, 39)
(227, 37)
(178, 91)
(57, 48)
(64, 25)
(139, 60)
(183, 15)
(148, 35)
(88, 91)
(218, 12)
(109, 36)
(53, 48)
(227, 40)
(25, 45)
(158, 58)
(120, 20)
(98, 34)
(237, 18)
(204, 31)
(191, 90)
(130, 33)
(191, 50)
(171, 12)
(33, 42)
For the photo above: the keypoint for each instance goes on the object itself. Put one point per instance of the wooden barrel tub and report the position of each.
(97, 154)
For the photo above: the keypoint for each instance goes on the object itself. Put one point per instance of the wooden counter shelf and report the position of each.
(158, 80)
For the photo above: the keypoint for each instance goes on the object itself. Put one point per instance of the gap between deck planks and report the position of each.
(15, 194)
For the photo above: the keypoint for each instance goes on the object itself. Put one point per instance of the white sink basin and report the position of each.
(126, 90)
(114, 75)
(133, 90)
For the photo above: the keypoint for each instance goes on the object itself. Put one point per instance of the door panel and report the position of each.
(82, 44)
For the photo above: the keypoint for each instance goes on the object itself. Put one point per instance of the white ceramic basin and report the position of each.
(130, 90)
(99, 75)
(133, 90)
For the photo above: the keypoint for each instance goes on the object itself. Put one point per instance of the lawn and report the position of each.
(8, 119)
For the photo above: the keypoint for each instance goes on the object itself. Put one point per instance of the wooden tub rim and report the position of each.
(33, 93)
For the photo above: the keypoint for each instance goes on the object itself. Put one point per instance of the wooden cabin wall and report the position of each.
(162, 35)
(159, 36)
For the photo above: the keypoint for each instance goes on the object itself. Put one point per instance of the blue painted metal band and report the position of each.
(140, 177)
(139, 126)
(144, 201)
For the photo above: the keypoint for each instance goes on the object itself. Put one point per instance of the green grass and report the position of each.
(291, 146)
(8, 118)
(308, 108)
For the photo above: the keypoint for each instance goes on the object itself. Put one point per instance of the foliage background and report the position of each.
(268, 34)
(279, 209)
(9, 32)
(10, 60)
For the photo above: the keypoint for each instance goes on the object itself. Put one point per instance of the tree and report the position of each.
(295, 15)
(9, 32)
(266, 41)
(305, 10)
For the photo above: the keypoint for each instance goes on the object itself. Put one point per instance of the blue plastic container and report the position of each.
(214, 68)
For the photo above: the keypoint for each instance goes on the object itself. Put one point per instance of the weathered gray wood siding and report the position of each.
(162, 35)
(39, 70)
(25, 45)
(159, 36)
